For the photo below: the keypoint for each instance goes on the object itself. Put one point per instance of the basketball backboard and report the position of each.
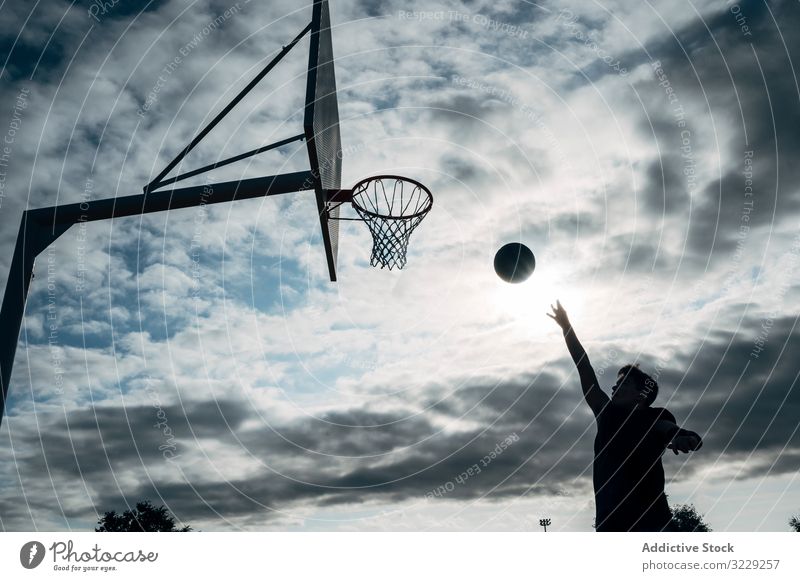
(321, 127)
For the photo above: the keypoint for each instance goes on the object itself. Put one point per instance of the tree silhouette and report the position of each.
(685, 519)
(145, 518)
(794, 522)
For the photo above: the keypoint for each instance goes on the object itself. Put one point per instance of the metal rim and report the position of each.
(422, 212)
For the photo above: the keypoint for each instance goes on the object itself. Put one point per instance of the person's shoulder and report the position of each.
(662, 414)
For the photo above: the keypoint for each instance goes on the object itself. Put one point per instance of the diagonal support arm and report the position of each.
(156, 183)
(230, 160)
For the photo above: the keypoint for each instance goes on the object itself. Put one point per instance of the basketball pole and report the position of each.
(41, 227)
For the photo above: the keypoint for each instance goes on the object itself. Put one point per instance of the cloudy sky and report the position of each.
(645, 151)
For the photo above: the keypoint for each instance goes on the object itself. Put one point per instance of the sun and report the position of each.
(524, 306)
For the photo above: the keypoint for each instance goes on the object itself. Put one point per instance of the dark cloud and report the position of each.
(42, 51)
(461, 109)
(744, 84)
(641, 253)
(744, 406)
(374, 8)
(398, 457)
(575, 224)
(103, 439)
(665, 193)
(478, 123)
(438, 463)
(745, 401)
(461, 169)
(54, 30)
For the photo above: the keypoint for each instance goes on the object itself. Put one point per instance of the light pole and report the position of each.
(544, 522)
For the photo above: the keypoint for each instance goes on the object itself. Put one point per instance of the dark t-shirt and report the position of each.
(628, 475)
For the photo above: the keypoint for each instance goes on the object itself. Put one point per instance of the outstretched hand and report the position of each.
(685, 441)
(559, 315)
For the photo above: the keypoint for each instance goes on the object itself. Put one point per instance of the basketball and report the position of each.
(514, 262)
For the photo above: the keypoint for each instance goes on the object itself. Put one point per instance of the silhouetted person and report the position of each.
(631, 438)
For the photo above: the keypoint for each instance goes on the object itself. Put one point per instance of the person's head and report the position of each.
(634, 387)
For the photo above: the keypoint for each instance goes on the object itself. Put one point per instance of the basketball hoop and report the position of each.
(392, 207)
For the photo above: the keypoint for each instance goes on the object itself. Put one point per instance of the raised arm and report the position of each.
(592, 393)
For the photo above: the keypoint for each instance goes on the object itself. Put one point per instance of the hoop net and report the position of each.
(392, 207)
